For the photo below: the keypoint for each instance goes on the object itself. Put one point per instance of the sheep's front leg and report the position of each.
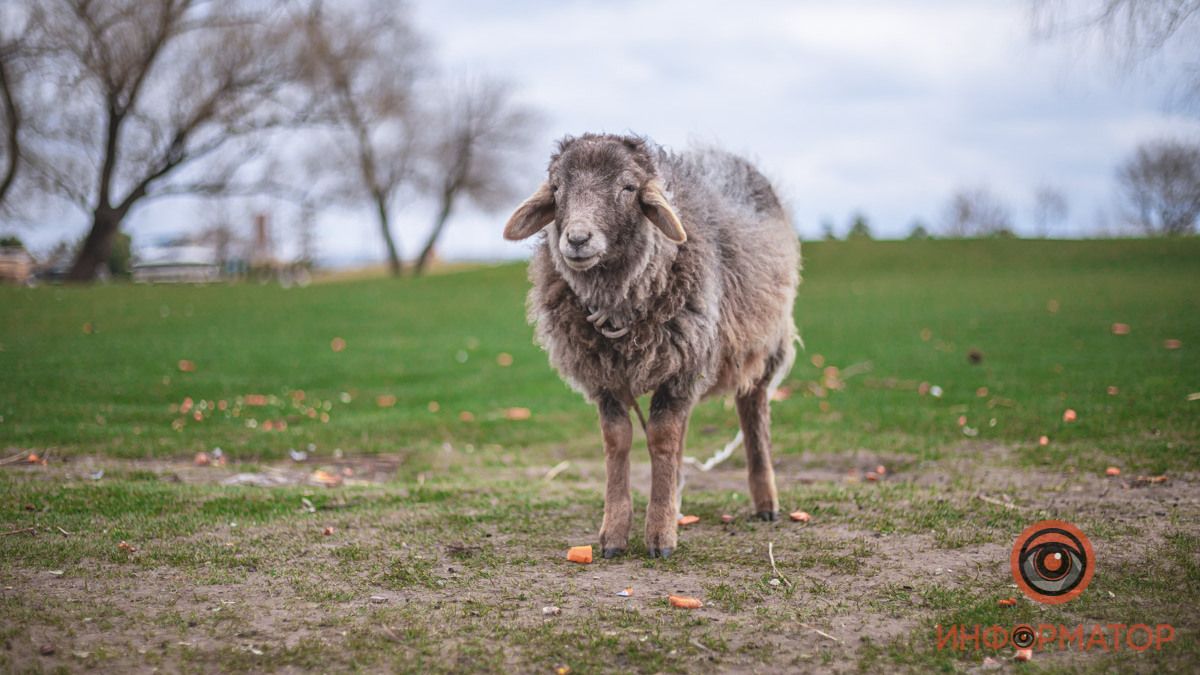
(618, 509)
(664, 435)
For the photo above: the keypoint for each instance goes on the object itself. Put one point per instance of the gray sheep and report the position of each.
(666, 273)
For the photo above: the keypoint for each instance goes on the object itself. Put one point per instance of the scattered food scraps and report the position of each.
(504, 359)
(1149, 480)
(562, 669)
(378, 599)
(551, 611)
(517, 414)
(872, 476)
(126, 546)
(328, 531)
(689, 520)
(781, 394)
(628, 592)
(962, 420)
(385, 400)
(337, 344)
(1120, 329)
(466, 416)
(580, 554)
(1172, 344)
(1112, 471)
(881, 470)
(684, 602)
(33, 458)
(1024, 655)
(1007, 602)
(1043, 440)
(726, 518)
(186, 366)
(202, 459)
(1113, 391)
(323, 477)
(1069, 415)
(800, 516)
(981, 392)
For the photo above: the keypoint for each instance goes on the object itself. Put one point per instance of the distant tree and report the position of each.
(860, 229)
(1132, 30)
(1161, 185)
(17, 59)
(478, 132)
(11, 241)
(976, 212)
(917, 231)
(1049, 208)
(120, 258)
(827, 230)
(364, 62)
(149, 94)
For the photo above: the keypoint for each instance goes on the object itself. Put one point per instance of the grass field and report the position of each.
(447, 540)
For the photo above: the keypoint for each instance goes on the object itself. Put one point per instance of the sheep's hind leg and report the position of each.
(755, 414)
(618, 509)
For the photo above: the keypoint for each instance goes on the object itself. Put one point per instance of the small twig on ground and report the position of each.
(556, 469)
(820, 632)
(774, 569)
(20, 531)
(722, 454)
(15, 458)
(701, 645)
(997, 502)
(64, 532)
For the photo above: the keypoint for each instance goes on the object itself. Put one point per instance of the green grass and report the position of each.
(463, 540)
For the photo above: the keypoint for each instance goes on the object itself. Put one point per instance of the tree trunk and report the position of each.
(438, 225)
(97, 246)
(386, 229)
(12, 132)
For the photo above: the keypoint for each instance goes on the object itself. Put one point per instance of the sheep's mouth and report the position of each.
(581, 264)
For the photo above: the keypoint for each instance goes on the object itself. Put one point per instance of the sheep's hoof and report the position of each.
(661, 552)
(769, 516)
(612, 552)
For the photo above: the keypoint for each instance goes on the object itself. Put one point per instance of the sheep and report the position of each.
(666, 273)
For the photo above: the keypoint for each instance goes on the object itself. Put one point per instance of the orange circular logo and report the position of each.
(1052, 561)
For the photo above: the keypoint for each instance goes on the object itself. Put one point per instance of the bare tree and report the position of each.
(1049, 208)
(16, 61)
(478, 133)
(1134, 30)
(364, 62)
(1161, 182)
(976, 212)
(151, 96)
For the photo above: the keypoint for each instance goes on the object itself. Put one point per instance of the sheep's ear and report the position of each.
(655, 206)
(532, 215)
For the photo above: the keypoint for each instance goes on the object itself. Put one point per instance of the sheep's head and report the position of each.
(600, 202)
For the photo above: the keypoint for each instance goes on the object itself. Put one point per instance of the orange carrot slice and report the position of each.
(800, 516)
(689, 520)
(580, 554)
(1007, 602)
(1112, 471)
(685, 602)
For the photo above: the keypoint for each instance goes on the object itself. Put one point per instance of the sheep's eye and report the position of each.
(629, 188)
(554, 188)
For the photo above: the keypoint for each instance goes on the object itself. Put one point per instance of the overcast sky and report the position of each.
(883, 107)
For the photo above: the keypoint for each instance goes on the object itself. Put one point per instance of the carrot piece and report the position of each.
(1024, 655)
(1112, 471)
(685, 602)
(580, 554)
(689, 520)
(800, 516)
(726, 518)
(1007, 602)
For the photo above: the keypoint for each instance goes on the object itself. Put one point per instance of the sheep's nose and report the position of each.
(577, 239)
